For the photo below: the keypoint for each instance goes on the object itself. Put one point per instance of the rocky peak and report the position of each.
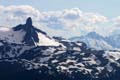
(29, 21)
(31, 35)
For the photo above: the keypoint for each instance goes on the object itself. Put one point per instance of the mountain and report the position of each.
(99, 42)
(114, 40)
(21, 59)
(94, 40)
(27, 34)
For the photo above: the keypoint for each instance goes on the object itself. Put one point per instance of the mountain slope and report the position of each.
(94, 40)
(114, 40)
(73, 61)
(27, 34)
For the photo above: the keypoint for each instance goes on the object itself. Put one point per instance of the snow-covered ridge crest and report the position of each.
(27, 34)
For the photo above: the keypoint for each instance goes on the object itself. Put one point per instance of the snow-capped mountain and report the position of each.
(114, 40)
(27, 34)
(94, 40)
(21, 59)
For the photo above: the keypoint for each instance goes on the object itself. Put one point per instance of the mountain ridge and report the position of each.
(73, 61)
(103, 43)
(28, 34)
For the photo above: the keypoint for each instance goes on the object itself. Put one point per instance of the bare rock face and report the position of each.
(31, 35)
(29, 21)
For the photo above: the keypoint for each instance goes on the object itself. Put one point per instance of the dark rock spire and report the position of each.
(31, 33)
(29, 22)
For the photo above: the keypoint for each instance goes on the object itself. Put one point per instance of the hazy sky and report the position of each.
(65, 18)
(109, 8)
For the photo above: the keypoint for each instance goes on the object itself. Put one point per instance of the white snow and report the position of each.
(54, 61)
(77, 49)
(11, 36)
(1, 44)
(70, 61)
(78, 43)
(99, 44)
(80, 64)
(8, 35)
(109, 67)
(62, 68)
(44, 40)
(112, 55)
(60, 52)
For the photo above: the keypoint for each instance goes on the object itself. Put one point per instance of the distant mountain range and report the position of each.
(99, 42)
(28, 53)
